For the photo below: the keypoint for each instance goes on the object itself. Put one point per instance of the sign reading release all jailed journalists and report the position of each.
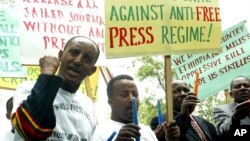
(46, 25)
(149, 27)
(217, 69)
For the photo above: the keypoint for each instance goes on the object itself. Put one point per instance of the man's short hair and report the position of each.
(110, 86)
(231, 85)
(96, 46)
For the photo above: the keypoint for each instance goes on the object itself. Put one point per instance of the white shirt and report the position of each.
(105, 129)
(75, 114)
(7, 136)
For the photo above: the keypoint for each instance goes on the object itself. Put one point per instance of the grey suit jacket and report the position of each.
(223, 118)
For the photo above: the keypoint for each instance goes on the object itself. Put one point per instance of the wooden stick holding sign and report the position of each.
(88, 88)
(106, 73)
(168, 88)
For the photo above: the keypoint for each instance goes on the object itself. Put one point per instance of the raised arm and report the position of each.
(34, 119)
(223, 120)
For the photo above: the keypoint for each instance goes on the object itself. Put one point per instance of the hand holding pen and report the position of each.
(127, 132)
(135, 115)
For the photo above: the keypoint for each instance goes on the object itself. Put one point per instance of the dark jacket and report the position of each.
(187, 132)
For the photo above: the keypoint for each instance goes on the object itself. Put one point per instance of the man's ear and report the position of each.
(60, 55)
(93, 70)
(110, 101)
(231, 94)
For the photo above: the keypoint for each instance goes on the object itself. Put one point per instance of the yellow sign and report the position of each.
(13, 82)
(137, 27)
(32, 74)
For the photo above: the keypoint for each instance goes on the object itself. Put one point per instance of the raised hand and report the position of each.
(48, 65)
(241, 110)
(173, 132)
(189, 103)
(160, 131)
(168, 131)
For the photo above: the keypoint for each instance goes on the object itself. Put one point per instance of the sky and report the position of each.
(232, 12)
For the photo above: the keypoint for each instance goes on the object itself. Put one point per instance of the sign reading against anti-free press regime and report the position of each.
(217, 70)
(149, 27)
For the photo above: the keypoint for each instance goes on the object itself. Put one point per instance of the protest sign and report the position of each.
(33, 73)
(46, 25)
(137, 27)
(10, 65)
(217, 69)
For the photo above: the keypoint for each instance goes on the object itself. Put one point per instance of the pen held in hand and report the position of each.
(196, 83)
(111, 136)
(135, 116)
(159, 112)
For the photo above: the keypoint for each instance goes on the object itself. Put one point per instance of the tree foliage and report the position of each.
(148, 108)
(151, 68)
(205, 107)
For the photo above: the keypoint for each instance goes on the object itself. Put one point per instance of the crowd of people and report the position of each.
(53, 109)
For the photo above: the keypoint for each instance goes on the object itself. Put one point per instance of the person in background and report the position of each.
(52, 108)
(120, 90)
(229, 117)
(9, 135)
(192, 128)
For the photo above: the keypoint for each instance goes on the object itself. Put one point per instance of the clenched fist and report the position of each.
(48, 65)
